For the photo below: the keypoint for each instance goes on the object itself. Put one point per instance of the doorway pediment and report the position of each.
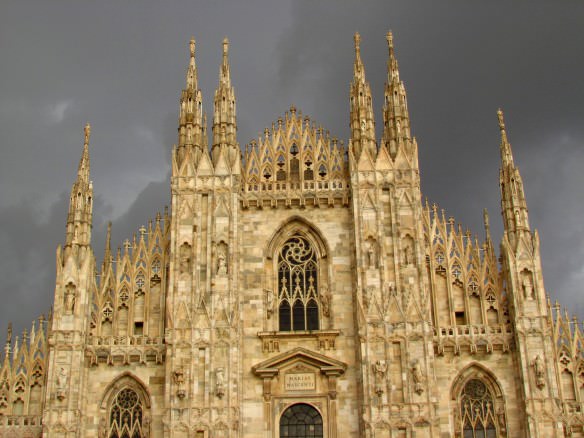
(297, 357)
(302, 370)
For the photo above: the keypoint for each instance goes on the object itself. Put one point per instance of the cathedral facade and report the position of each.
(298, 288)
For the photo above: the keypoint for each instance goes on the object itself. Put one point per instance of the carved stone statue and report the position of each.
(179, 380)
(539, 370)
(269, 303)
(417, 377)
(379, 371)
(222, 259)
(185, 258)
(527, 285)
(325, 301)
(62, 378)
(69, 299)
(371, 253)
(220, 382)
(408, 252)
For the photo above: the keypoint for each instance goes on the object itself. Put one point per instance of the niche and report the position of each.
(185, 258)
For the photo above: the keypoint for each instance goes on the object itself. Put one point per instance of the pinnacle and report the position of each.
(357, 39)
(501, 119)
(506, 154)
(225, 46)
(87, 131)
(359, 70)
(192, 70)
(83, 170)
(224, 76)
(389, 38)
(192, 46)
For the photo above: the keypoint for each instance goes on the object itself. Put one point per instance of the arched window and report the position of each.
(477, 413)
(126, 415)
(301, 420)
(298, 299)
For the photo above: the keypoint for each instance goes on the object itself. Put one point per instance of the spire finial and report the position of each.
(108, 242)
(83, 170)
(506, 154)
(389, 38)
(359, 70)
(487, 227)
(87, 131)
(192, 46)
(108, 238)
(501, 120)
(9, 334)
(225, 47)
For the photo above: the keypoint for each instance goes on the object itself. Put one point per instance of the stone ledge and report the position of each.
(324, 339)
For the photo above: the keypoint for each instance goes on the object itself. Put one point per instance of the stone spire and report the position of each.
(191, 109)
(107, 255)
(224, 116)
(362, 121)
(396, 120)
(83, 169)
(80, 202)
(513, 203)
(8, 344)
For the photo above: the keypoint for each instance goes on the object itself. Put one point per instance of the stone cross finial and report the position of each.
(357, 39)
(142, 230)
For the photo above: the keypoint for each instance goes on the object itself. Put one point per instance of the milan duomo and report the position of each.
(298, 288)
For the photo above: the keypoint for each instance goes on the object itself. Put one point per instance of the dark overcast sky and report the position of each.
(121, 66)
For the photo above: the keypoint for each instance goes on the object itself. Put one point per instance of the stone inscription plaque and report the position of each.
(299, 382)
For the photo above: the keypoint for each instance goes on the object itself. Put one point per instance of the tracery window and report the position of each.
(126, 415)
(477, 413)
(298, 307)
(301, 420)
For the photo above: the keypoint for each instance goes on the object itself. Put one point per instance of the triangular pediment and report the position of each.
(297, 356)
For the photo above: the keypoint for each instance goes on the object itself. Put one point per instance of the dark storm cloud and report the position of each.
(459, 65)
(122, 67)
(28, 240)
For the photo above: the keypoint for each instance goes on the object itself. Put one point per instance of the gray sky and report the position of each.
(121, 66)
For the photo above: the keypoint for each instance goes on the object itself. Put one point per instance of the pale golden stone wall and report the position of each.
(417, 307)
(257, 228)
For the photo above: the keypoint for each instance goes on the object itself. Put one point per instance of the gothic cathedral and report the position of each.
(298, 288)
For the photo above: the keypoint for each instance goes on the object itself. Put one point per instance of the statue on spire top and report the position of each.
(501, 119)
(192, 47)
(389, 38)
(357, 39)
(87, 131)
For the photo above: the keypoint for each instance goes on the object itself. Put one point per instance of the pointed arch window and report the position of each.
(298, 307)
(477, 411)
(126, 415)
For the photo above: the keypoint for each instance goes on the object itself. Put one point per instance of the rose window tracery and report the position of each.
(477, 412)
(126, 414)
(298, 286)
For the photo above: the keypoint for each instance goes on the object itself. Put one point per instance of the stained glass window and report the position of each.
(298, 286)
(126, 413)
(477, 411)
